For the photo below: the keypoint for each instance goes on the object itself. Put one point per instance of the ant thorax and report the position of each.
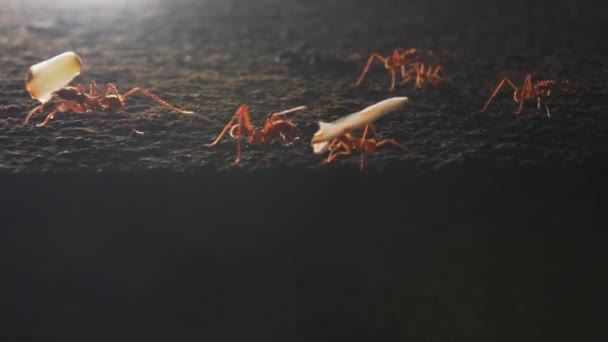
(70, 94)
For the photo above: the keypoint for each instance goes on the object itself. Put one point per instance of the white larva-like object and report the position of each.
(331, 130)
(45, 78)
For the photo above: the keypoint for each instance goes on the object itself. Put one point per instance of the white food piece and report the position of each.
(45, 78)
(331, 130)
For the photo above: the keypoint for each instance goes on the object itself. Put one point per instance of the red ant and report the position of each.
(350, 144)
(277, 125)
(77, 100)
(538, 92)
(401, 60)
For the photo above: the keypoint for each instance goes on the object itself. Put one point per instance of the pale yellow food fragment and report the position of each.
(331, 130)
(45, 78)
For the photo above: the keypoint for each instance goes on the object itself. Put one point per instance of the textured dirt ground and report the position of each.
(491, 230)
(214, 56)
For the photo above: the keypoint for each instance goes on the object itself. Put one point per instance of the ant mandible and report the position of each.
(276, 126)
(77, 100)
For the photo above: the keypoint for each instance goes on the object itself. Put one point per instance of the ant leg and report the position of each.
(538, 102)
(388, 141)
(438, 64)
(334, 144)
(275, 117)
(374, 132)
(393, 74)
(496, 91)
(132, 127)
(435, 76)
(333, 148)
(528, 83)
(430, 76)
(228, 126)
(362, 162)
(419, 76)
(110, 88)
(243, 114)
(93, 89)
(367, 126)
(521, 105)
(79, 88)
(334, 154)
(150, 95)
(288, 140)
(39, 108)
(362, 142)
(437, 70)
(525, 90)
(365, 132)
(50, 116)
(282, 114)
(369, 63)
(393, 142)
(239, 133)
(405, 77)
(62, 107)
(266, 157)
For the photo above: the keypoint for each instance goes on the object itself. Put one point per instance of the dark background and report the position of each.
(492, 230)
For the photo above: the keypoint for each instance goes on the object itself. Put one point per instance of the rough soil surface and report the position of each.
(213, 56)
(490, 230)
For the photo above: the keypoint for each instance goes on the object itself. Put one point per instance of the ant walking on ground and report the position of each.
(410, 63)
(276, 126)
(77, 100)
(538, 92)
(347, 144)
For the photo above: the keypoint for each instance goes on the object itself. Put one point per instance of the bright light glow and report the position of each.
(18, 5)
(77, 3)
